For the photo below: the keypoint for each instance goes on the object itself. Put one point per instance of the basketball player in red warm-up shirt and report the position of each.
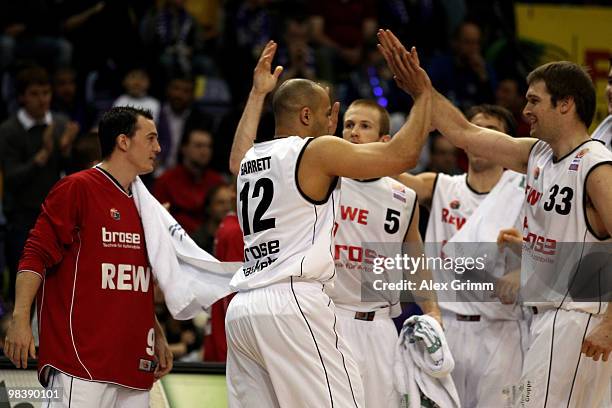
(86, 263)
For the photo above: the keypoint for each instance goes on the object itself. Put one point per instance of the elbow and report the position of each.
(410, 162)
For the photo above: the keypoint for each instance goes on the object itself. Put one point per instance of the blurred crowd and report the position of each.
(190, 62)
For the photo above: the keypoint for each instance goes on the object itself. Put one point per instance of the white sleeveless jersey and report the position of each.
(285, 233)
(452, 203)
(373, 221)
(556, 233)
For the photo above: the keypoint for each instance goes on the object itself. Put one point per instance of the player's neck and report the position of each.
(484, 181)
(121, 171)
(564, 143)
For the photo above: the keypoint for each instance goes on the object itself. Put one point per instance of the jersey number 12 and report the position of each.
(265, 188)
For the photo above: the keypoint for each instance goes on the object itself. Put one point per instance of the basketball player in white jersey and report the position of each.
(283, 347)
(492, 330)
(376, 216)
(568, 200)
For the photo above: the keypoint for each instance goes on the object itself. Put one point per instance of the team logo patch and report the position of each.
(536, 173)
(581, 153)
(455, 204)
(146, 365)
(115, 215)
(399, 192)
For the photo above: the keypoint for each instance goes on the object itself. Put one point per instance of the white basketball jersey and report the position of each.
(556, 233)
(285, 233)
(452, 203)
(373, 221)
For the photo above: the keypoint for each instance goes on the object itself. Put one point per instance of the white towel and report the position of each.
(190, 277)
(423, 365)
(604, 132)
(500, 209)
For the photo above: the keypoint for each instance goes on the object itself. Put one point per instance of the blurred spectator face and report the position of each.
(490, 122)
(180, 95)
(221, 203)
(467, 43)
(36, 100)
(443, 156)
(136, 83)
(361, 125)
(508, 95)
(609, 92)
(198, 150)
(64, 85)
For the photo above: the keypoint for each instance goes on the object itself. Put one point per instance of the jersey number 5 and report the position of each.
(265, 188)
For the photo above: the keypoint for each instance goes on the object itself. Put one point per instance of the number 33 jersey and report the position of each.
(285, 232)
(557, 236)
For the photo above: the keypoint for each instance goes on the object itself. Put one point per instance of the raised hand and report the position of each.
(407, 72)
(264, 81)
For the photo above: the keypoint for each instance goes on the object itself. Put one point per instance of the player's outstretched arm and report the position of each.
(19, 341)
(422, 184)
(264, 82)
(426, 299)
(507, 151)
(599, 341)
(333, 156)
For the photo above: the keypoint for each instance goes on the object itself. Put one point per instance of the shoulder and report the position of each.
(10, 125)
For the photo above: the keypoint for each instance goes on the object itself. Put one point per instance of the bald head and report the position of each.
(293, 95)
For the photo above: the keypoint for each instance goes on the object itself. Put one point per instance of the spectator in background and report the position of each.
(294, 54)
(67, 101)
(229, 247)
(443, 155)
(171, 33)
(186, 186)
(510, 94)
(31, 30)
(136, 85)
(217, 205)
(248, 27)
(35, 145)
(464, 77)
(340, 28)
(177, 114)
(86, 152)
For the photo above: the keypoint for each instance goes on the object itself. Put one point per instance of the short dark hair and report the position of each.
(384, 120)
(292, 95)
(496, 111)
(32, 75)
(120, 120)
(566, 79)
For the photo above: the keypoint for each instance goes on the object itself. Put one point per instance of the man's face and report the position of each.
(539, 111)
(180, 95)
(221, 203)
(136, 83)
(443, 156)
(361, 125)
(36, 100)
(143, 146)
(64, 86)
(609, 92)
(478, 163)
(198, 151)
(507, 95)
(468, 42)
(321, 114)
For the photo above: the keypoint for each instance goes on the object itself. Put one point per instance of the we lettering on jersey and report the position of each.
(449, 218)
(125, 277)
(354, 214)
(532, 196)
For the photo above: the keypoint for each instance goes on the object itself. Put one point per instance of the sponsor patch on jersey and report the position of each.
(115, 215)
(536, 173)
(573, 166)
(455, 204)
(146, 365)
(399, 192)
(581, 153)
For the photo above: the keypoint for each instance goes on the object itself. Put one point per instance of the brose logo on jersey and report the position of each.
(120, 239)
